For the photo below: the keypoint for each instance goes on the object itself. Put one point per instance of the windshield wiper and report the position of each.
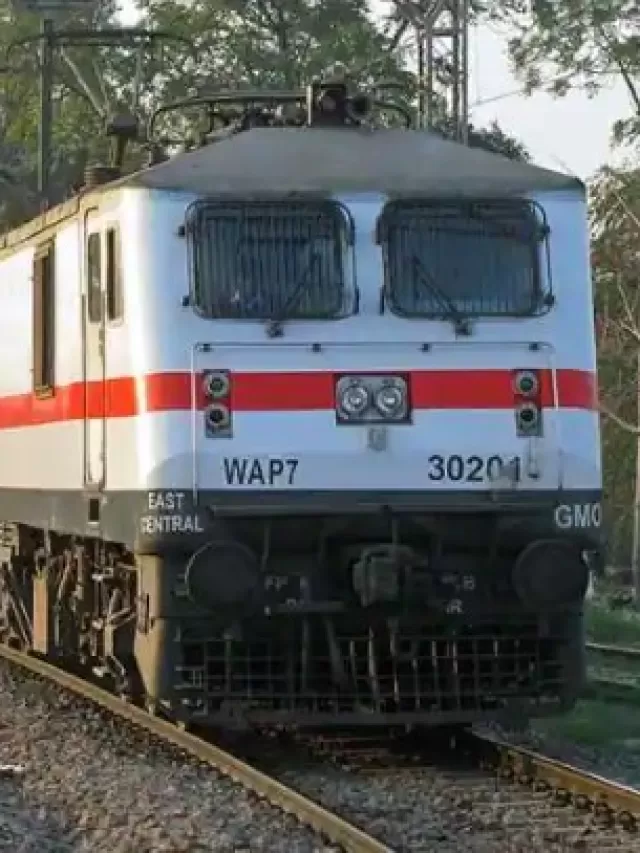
(461, 323)
(274, 325)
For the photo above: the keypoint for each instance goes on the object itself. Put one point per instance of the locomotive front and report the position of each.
(377, 501)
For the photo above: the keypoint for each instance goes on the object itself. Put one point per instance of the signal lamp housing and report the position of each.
(218, 420)
(217, 417)
(216, 384)
(526, 383)
(528, 419)
(527, 392)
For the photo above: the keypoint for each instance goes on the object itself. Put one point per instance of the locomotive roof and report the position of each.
(328, 160)
(324, 161)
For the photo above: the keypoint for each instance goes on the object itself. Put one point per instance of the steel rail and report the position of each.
(587, 789)
(609, 803)
(350, 838)
(609, 650)
(613, 690)
(620, 685)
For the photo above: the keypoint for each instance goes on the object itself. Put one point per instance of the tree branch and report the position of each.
(631, 325)
(397, 36)
(82, 83)
(631, 330)
(624, 424)
(612, 45)
(626, 208)
(272, 23)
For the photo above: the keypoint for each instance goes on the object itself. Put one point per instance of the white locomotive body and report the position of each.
(302, 427)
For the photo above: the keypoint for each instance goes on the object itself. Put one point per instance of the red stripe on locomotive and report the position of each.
(128, 396)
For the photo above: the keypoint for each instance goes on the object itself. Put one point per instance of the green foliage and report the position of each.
(251, 44)
(593, 723)
(226, 43)
(604, 625)
(615, 218)
(269, 44)
(492, 139)
(587, 44)
(76, 125)
(265, 44)
(576, 43)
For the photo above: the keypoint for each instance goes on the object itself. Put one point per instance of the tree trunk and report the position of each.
(635, 550)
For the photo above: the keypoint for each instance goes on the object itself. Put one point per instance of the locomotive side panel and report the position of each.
(41, 390)
(148, 406)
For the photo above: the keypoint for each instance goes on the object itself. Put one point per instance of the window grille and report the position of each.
(481, 258)
(261, 260)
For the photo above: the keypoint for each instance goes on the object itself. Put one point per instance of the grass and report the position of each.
(603, 625)
(594, 723)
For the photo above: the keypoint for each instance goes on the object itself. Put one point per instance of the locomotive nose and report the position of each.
(550, 574)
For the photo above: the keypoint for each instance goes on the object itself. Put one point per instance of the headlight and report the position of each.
(389, 400)
(372, 398)
(354, 399)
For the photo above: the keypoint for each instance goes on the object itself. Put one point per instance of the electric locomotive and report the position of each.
(300, 426)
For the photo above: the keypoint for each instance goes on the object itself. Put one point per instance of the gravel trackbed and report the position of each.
(74, 780)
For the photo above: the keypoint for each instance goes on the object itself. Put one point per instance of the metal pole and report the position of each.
(46, 112)
(422, 111)
(456, 66)
(429, 96)
(446, 21)
(464, 82)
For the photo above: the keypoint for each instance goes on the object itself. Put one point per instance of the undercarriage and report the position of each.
(326, 671)
(317, 622)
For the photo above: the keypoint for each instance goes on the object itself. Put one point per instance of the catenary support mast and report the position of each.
(56, 36)
(441, 31)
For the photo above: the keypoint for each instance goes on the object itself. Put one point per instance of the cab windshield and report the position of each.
(256, 260)
(474, 258)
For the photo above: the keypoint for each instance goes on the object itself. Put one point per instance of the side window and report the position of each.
(115, 299)
(44, 319)
(94, 278)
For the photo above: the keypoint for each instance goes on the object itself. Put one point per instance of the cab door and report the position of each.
(94, 352)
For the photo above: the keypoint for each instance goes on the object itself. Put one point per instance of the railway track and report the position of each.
(328, 825)
(628, 654)
(488, 787)
(614, 672)
(503, 794)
